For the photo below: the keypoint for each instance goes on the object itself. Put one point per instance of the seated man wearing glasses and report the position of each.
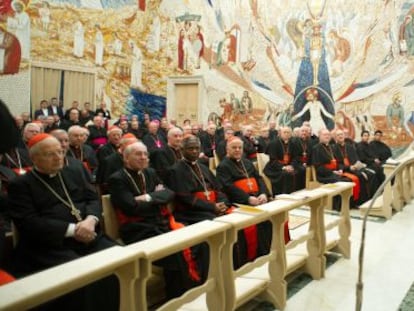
(56, 212)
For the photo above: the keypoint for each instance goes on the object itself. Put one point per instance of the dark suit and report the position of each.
(40, 112)
(42, 221)
(106, 113)
(56, 110)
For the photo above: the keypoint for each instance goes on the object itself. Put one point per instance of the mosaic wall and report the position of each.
(341, 63)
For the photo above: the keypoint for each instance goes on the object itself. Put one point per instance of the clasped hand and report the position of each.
(85, 230)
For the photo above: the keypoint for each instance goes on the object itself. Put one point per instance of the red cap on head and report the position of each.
(128, 135)
(37, 139)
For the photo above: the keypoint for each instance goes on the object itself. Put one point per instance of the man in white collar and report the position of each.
(56, 213)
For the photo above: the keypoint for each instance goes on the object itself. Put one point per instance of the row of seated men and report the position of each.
(197, 194)
(56, 211)
(334, 157)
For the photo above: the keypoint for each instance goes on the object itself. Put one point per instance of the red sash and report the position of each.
(188, 257)
(357, 188)
(304, 159)
(252, 156)
(331, 165)
(248, 185)
(22, 171)
(5, 277)
(87, 166)
(287, 233)
(250, 233)
(212, 196)
(124, 219)
(286, 159)
(346, 161)
(192, 267)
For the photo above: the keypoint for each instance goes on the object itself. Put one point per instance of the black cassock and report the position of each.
(154, 142)
(280, 155)
(347, 156)
(106, 168)
(208, 144)
(380, 150)
(188, 207)
(163, 159)
(231, 171)
(323, 158)
(105, 151)
(42, 221)
(141, 220)
(367, 156)
(87, 155)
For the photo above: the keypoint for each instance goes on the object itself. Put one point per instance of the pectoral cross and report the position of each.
(250, 185)
(75, 212)
(207, 194)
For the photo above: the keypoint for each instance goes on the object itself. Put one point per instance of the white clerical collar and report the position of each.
(192, 163)
(49, 175)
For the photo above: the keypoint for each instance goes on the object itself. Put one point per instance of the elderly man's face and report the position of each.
(30, 132)
(114, 137)
(339, 136)
(49, 157)
(235, 149)
(191, 150)
(248, 132)
(285, 133)
(76, 138)
(175, 139)
(324, 136)
(137, 159)
(63, 138)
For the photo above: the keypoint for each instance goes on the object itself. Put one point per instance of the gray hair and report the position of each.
(128, 149)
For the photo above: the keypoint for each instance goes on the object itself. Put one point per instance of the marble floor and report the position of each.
(387, 277)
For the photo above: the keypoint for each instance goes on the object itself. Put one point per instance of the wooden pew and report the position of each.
(266, 276)
(262, 160)
(44, 286)
(397, 194)
(214, 233)
(225, 288)
(339, 242)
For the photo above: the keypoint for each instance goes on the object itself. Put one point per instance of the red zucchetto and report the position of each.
(128, 135)
(37, 139)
